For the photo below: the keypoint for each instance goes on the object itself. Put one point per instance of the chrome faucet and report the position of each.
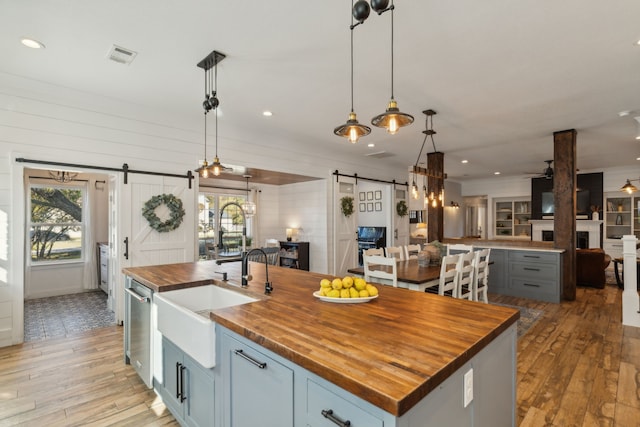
(245, 270)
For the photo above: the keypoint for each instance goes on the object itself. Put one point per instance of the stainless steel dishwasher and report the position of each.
(137, 334)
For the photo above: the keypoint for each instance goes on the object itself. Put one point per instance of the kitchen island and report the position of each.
(402, 357)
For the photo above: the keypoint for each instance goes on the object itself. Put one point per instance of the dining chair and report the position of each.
(394, 252)
(272, 243)
(411, 251)
(466, 278)
(448, 280)
(373, 251)
(481, 275)
(380, 276)
(458, 248)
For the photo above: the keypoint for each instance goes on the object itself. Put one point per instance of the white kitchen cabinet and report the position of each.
(258, 390)
(188, 389)
(103, 267)
(511, 218)
(622, 217)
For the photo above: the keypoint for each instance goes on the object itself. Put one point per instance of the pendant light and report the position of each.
(211, 102)
(248, 207)
(352, 130)
(63, 176)
(629, 187)
(392, 119)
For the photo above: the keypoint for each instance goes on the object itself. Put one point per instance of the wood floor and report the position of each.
(577, 366)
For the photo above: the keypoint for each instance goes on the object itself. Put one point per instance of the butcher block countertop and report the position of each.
(391, 351)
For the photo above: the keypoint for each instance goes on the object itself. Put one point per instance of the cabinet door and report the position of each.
(260, 389)
(200, 400)
(498, 270)
(172, 356)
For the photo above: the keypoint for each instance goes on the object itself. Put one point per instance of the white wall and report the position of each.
(453, 218)
(373, 218)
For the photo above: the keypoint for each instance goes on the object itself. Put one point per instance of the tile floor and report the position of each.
(65, 315)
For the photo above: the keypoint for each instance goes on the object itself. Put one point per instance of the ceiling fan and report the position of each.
(547, 172)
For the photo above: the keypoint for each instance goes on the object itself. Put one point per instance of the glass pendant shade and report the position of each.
(204, 169)
(414, 190)
(249, 209)
(629, 187)
(352, 130)
(392, 119)
(216, 167)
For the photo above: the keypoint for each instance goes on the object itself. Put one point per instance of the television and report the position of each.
(583, 202)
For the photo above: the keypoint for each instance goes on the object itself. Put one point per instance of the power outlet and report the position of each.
(468, 387)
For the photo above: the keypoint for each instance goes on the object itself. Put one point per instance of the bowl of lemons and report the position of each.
(348, 290)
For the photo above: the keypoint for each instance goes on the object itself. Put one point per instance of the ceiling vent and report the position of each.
(379, 154)
(121, 55)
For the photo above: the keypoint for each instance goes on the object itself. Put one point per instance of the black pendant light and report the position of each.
(352, 130)
(392, 119)
(211, 102)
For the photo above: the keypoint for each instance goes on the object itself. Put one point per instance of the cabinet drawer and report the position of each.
(532, 287)
(528, 257)
(320, 401)
(533, 270)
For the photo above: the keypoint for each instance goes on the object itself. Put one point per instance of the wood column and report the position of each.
(435, 180)
(564, 198)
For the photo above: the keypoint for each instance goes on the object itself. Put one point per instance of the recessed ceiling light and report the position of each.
(32, 43)
(638, 137)
(371, 145)
(465, 161)
(638, 43)
(496, 173)
(637, 158)
(267, 113)
(624, 113)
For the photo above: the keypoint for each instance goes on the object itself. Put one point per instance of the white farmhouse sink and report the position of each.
(183, 317)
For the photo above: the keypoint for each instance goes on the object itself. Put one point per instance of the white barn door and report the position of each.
(345, 228)
(140, 245)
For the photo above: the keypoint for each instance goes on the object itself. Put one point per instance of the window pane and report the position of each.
(56, 205)
(56, 243)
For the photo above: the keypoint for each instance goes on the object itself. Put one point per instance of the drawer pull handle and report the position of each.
(531, 269)
(531, 256)
(534, 285)
(183, 395)
(178, 377)
(261, 365)
(328, 413)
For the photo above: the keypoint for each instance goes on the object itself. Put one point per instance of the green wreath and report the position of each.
(346, 206)
(175, 206)
(401, 208)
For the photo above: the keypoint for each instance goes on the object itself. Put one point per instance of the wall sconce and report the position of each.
(454, 205)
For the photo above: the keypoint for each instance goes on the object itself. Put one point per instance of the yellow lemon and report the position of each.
(344, 293)
(325, 283)
(364, 293)
(353, 293)
(336, 284)
(334, 293)
(347, 282)
(360, 284)
(323, 291)
(373, 291)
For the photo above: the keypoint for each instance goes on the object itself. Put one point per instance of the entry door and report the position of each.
(345, 228)
(136, 243)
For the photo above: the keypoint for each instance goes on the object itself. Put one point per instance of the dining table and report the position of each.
(410, 274)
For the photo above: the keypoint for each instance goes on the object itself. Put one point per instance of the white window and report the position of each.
(56, 223)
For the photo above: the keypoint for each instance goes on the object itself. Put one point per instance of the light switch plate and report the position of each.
(468, 387)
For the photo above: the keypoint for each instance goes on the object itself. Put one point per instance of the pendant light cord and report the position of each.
(215, 88)
(351, 29)
(392, 9)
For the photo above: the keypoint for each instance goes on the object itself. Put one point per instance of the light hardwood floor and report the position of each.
(577, 366)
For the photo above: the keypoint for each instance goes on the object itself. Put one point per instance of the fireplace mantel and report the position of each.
(590, 226)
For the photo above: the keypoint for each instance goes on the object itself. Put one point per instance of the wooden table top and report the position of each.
(408, 271)
(391, 351)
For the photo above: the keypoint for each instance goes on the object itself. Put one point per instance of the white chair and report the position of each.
(271, 243)
(372, 270)
(481, 275)
(411, 251)
(458, 248)
(448, 280)
(373, 251)
(394, 252)
(466, 278)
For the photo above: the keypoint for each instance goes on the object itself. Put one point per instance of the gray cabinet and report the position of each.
(258, 390)
(187, 388)
(535, 274)
(499, 259)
